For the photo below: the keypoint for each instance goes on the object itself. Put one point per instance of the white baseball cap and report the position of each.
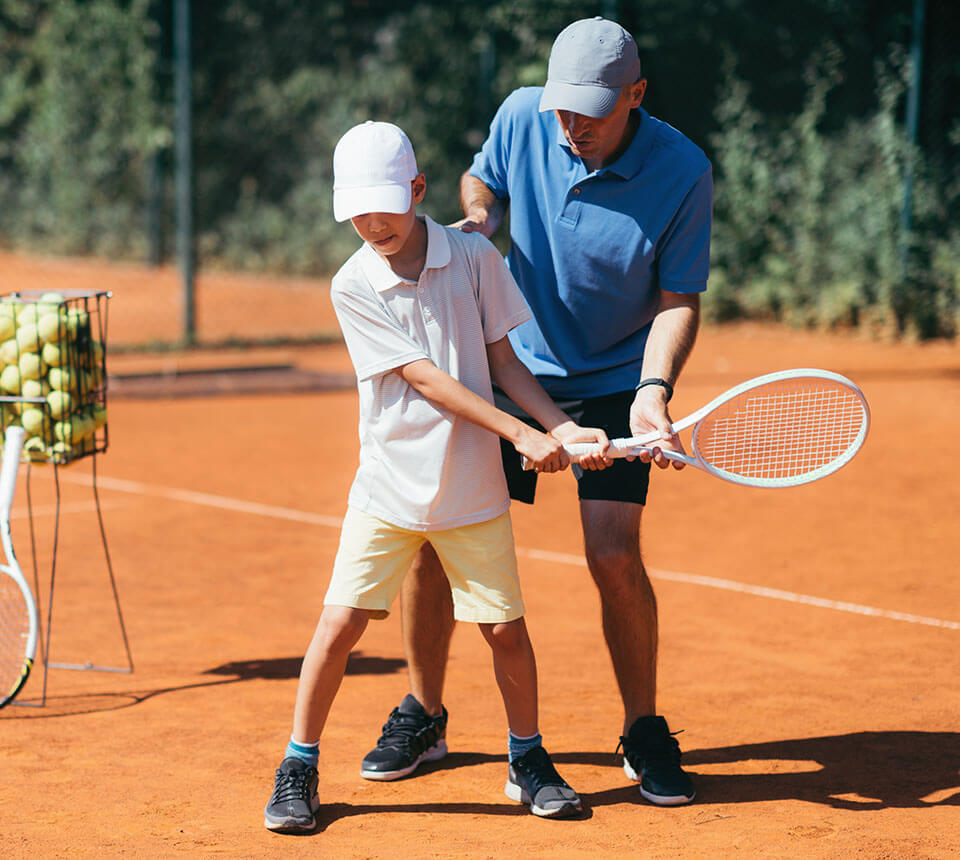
(590, 62)
(373, 166)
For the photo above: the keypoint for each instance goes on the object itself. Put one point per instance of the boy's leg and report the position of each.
(294, 802)
(532, 778)
(415, 731)
(324, 665)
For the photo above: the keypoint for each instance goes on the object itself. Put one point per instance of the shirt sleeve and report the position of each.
(491, 163)
(502, 306)
(375, 340)
(684, 257)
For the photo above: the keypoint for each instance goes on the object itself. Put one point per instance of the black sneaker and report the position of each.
(294, 800)
(410, 736)
(651, 756)
(533, 779)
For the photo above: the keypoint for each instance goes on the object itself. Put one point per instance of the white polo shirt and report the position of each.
(421, 467)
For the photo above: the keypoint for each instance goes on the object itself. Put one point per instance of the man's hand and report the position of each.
(474, 224)
(570, 432)
(648, 414)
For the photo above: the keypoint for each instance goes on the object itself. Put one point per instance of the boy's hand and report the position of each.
(649, 413)
(541, 453)
(569, 432)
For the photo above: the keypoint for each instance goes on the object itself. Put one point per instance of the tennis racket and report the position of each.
(18, 612)
(778, 430)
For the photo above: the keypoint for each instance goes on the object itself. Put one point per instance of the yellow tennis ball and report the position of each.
(52, 354)
(32, 420)
(51, 300)
(99, 416)
(60, 403)
(28, 314)
(9, 352)
(34, 449)
(68, 431)
(28, 337)
(61, 378)
(51, 326)
(10, 379)
(31, 366)
(8, 326)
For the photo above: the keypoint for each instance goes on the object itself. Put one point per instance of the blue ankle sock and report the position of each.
(309, 753)
(521, 746)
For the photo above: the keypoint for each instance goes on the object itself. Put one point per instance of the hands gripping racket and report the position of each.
(777, 430)
(18, 612)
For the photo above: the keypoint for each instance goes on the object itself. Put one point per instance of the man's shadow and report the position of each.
(859, 771)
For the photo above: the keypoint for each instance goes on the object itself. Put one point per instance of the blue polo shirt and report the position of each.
(592, 250)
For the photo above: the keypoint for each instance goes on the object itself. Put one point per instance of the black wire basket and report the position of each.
(53, 372)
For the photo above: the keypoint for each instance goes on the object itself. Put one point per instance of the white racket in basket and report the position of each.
(778, 430)
(18, 611)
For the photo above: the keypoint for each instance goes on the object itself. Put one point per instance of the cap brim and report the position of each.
(584, 99)
(350, 202)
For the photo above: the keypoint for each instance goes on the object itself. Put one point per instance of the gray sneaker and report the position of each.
(534, 780)
(294, 800)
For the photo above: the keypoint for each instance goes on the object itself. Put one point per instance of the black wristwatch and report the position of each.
(653, 380)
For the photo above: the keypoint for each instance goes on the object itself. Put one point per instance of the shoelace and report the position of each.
(664, 750)
(537, 770)
(291, 786)
(400, 729)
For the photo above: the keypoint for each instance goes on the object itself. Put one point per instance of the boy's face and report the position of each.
(387, 232)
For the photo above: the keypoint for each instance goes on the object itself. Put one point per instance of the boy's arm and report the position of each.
(515, 378)
(544, 452)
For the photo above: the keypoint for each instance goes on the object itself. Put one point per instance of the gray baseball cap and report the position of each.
(590, 62)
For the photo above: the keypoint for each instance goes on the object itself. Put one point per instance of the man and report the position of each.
(610, 213)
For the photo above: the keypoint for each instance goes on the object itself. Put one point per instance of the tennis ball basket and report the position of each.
(53, 372)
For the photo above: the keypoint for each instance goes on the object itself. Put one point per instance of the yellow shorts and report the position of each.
(479, 560)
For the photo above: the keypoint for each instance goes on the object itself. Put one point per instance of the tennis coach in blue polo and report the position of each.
(610, 217)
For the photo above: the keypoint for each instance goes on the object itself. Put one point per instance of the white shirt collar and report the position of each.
(382, 277)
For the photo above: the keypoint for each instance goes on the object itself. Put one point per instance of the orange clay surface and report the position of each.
(810, 638)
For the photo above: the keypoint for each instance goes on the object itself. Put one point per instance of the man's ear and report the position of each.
(637, 92)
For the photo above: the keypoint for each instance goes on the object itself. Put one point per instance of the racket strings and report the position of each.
(782, 430)
(14, 633)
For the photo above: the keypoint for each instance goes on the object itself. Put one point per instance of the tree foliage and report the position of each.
(798, 102)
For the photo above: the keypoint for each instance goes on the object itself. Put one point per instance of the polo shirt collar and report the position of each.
(382, 277)
(627, 165)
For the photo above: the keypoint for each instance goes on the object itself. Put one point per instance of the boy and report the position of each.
(425, 311)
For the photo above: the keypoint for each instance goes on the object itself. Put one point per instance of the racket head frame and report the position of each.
(13, 444)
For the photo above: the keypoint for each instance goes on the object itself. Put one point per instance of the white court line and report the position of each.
(294, 515)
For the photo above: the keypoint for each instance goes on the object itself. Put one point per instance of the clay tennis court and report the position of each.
(810, 638)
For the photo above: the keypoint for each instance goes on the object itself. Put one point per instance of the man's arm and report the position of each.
(544, 452)
(484, 211)
(669, 343)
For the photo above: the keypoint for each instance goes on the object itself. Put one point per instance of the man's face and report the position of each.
(596, 139)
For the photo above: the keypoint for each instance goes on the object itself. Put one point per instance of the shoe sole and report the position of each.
(435, 753)
(658, 799)
(519, 794)
(292, 825)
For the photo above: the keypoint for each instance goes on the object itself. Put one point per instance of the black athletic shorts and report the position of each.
(622, 482)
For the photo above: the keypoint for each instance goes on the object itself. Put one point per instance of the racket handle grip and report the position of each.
(12, 445)
(618, 448)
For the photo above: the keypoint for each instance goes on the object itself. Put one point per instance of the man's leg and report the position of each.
(427, 621)
(416, 729)
(651, 754)
(611, 533)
